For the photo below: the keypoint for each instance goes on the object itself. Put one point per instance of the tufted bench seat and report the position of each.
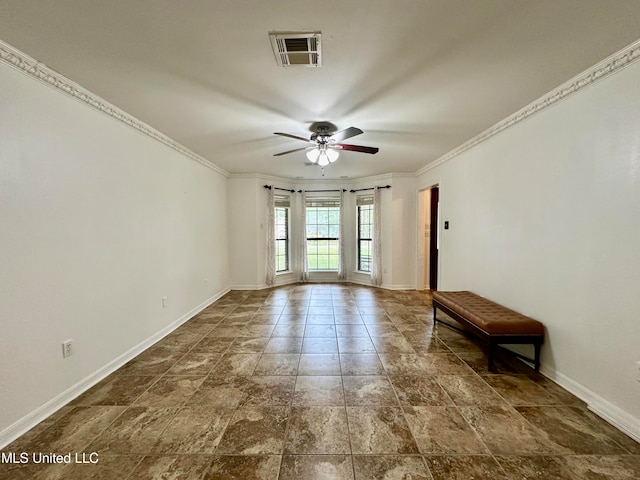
(492, 323)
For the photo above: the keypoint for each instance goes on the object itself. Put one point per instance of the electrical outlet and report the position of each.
(66, 348)
(164, 302)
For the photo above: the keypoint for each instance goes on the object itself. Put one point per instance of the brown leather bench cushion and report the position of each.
(487, 315)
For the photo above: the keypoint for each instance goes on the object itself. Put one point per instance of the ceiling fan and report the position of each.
(325, 146)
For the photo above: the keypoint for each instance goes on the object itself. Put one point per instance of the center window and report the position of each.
(323, 227)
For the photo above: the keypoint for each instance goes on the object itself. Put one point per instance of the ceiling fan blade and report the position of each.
(293, 136)
(290, 151)
(357, 148)
(346, 133)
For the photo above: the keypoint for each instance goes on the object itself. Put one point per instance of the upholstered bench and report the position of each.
(492, 323)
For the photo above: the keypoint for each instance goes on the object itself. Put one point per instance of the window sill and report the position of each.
(362, 272)
(323, 271)
(285, 272)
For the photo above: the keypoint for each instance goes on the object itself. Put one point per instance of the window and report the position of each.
(281, 229)
(323, 227)
(365, 232)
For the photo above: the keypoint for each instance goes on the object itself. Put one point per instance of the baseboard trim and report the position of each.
(617, 417)
(30, 420)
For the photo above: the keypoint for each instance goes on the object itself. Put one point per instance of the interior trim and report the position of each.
(39, 71)
(601, 70)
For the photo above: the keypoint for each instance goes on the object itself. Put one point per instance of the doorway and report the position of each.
(428, 244)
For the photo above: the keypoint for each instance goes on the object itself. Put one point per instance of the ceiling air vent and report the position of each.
(296, 49)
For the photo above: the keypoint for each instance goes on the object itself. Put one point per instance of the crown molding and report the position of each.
(610, 65)
(39, 71)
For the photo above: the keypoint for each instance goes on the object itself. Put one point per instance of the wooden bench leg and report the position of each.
(536, 359)
(434, 314)
(490, 357)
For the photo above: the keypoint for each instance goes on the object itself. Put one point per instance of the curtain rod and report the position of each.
(363, 189)
(314, 191)
(277, 188)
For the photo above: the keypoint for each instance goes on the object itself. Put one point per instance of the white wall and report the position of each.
(545, 218)
(97, 223)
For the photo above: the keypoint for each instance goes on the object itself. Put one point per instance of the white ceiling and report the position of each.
(420, 77)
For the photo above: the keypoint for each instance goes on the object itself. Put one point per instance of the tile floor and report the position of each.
(325, 381)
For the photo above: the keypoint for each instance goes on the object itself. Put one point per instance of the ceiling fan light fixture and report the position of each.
(313, 154)
(323, 159)
(332, 154)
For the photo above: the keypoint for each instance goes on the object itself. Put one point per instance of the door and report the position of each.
(433, 239)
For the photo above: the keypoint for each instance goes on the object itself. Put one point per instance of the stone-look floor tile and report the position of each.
(368, 390)
(505, 432)
(213, 345)
(155, 361)
(284, 345)
(465, 467)
(392, 344)
(477, 361)
(289, 330)
(361, 364)
(255, 431)
(265, 318)
(195, 363)
(561, 396)
(520, 390)
(613, 467)
(457, 343)
(220, 391)
(170, 391)
(319, 345)
(249, 345)
(175, 467)
(76, 430)
(419, 390)
(579, 430)
(319, 318)
(194, 430)
(183, 340)
(381, 430)
(448, 364)
(319, 364)
(254, 467)
(278, 364)
(377, 319)
(323, 330)
(24, 443)
(293, 319)
(107, 467)
(442, 430)
(237, 364)
(316, 467)
(317, 430)
(356, 345)
(268, 390)
(384, 330)
(318, 390)
(116, 390)
(389, 467)
(532, 467)
(135, 431)
(469, 390)
(417, 332)
(345, 318)
(351, 330)
(406, 364)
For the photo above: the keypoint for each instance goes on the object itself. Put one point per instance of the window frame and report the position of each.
(364, 201)
(282, 203)
(331, 204)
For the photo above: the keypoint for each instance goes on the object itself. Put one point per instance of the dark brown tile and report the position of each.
(319, 364)
(178, 467)
(248, 345)
(406, 364)
(465, 467)
(536, 467)
(255, 430)
(419, 390)
(520, 390)
(318, 390)
(278, 364)
(268, 390)
(469, 390)
(316, 467)
(318, 430)
(613, 467)
(116, 390)
(170, 391)
(383, 467)
(195, 363)
(237, 364)
(379, 430)
(361, 364)
(155, 361)
(356, 345)
(442, 430)
(220, 391)
(505, 432)
(368, 390)
(245, 467)
(213, 344)
(579, 431)
(392, 344)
